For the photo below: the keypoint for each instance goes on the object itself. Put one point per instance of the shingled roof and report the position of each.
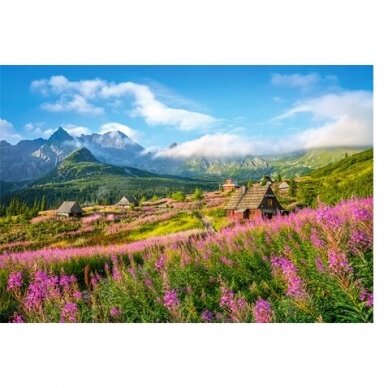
(235, 198)
(68, 207)
(123, 202)
(284, 185)
(247, 198)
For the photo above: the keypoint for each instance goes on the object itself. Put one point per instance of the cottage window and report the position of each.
(270, 202)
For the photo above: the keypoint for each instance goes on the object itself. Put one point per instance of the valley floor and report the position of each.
(172, 261)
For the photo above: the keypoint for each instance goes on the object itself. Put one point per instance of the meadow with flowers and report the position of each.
(162, 265)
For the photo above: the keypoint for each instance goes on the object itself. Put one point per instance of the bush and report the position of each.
(178, 196)
(198, 194)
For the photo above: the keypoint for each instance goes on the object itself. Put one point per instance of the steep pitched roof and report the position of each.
(284, 185)
(253, 197)
(230, 182)
(123, 202)
(70, 207)
(250, 198)
(235, 198)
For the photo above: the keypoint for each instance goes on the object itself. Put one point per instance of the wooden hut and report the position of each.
(284, 188)
(250, 203)
(124, 202)
(70, 209)
(230, 185)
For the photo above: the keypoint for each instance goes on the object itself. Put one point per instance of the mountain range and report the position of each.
(82, 177)
(31, 160)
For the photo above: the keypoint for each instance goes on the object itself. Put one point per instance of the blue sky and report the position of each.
(208, 110)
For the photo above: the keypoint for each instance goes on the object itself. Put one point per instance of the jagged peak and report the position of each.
(60, 135)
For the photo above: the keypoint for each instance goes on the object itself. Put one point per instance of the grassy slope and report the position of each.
(303, 163)
(352, 176)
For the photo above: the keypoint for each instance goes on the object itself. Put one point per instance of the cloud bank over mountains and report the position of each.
(343, 119)
(334, 117)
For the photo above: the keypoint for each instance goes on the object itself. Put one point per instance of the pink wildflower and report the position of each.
(338, 263)
(207, 316)
(15, 281)
(115, 312)
(287, 269)
(69, 313)
(262, 311)
(170, 299)
(17, 318)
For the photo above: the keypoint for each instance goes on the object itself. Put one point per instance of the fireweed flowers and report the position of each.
(236, 306)
(262, 311)
(17, 318)
(170, 299)
(287, 270)
(176, 277)
(15, 281)
(69, 313)
(207, 316)
(366, 297)
(338, 263)
(115, 312)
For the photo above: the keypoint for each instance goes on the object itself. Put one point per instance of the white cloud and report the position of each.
(303, 82)
(111, 127)
(346, 119)
(343, 119)
(58, 85)
(78, 97)
(74, 103)
(217, 146)
(36, 129)
(7, 132)
(76, 130)
(155, 112)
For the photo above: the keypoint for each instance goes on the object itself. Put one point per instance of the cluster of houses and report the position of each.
(73, 209)
(245, 203)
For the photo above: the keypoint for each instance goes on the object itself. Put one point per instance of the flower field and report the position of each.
(315, 265)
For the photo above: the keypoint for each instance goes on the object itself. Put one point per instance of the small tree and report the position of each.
(43, 204)
(178, 196)
(250, 182)
(198, 194)
(292, 190)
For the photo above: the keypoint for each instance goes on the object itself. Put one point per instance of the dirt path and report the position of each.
(207, 224)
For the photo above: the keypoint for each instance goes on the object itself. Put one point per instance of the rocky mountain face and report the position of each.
(17, 162)
(112, 147)
(33, 159)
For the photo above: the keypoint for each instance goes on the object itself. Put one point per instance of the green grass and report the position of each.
(179, 223)
(304, 163)
(217, 217)
(351, 176)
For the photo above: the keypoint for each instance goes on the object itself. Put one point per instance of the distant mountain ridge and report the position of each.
(82, 177)
(34, 159)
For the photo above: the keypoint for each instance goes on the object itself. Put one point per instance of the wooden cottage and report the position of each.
(123, 202)
(230, 185)
(250, 203)
(70, 209)
(284, 188)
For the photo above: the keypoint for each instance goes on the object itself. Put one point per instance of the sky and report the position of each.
(210, 111)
